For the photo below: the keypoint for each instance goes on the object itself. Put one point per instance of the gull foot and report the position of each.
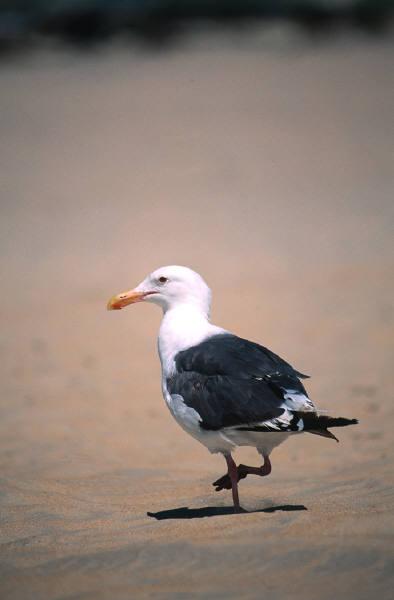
(224, 483)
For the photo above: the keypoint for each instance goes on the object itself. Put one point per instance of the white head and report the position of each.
(168, 287)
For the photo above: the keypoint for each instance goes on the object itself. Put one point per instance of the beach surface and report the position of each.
(270, 172)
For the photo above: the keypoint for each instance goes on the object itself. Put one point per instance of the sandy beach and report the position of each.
(269, 171)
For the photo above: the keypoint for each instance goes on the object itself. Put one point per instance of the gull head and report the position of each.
(169, 287)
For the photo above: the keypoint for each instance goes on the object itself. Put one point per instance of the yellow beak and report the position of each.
(131, 297)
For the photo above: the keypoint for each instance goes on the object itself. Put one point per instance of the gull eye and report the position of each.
(163, 279)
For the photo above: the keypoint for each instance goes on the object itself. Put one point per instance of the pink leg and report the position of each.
(233, 475)
(267, 467)
(224, 483)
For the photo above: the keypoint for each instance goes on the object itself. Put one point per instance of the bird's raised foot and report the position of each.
(224, 483)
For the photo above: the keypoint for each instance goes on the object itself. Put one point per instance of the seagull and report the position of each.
(225, 391)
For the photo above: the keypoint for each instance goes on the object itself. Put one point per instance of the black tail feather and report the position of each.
(314, 421)
(324, 433)
(319, 424)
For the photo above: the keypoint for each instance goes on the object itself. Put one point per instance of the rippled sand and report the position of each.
(271, 173)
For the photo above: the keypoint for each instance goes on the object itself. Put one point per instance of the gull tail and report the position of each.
(319, 424)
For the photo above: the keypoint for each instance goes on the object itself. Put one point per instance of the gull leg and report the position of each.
(224, 483)
(233, 475)
(267, 467)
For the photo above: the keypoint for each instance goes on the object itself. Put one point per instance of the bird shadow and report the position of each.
(184, 512)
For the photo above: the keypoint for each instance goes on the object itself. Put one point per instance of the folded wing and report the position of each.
(232, 382)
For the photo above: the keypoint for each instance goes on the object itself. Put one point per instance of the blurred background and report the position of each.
(160, 22)
(253, 142)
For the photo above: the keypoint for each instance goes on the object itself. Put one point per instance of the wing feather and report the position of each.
(231, 382)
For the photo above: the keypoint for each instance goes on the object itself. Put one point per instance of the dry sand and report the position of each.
(270, 172)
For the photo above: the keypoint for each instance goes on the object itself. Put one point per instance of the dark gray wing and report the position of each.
(227, 354)
(230, 381)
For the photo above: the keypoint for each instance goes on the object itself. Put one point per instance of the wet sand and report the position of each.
(271, 173)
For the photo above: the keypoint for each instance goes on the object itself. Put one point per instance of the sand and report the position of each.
(270, 171)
